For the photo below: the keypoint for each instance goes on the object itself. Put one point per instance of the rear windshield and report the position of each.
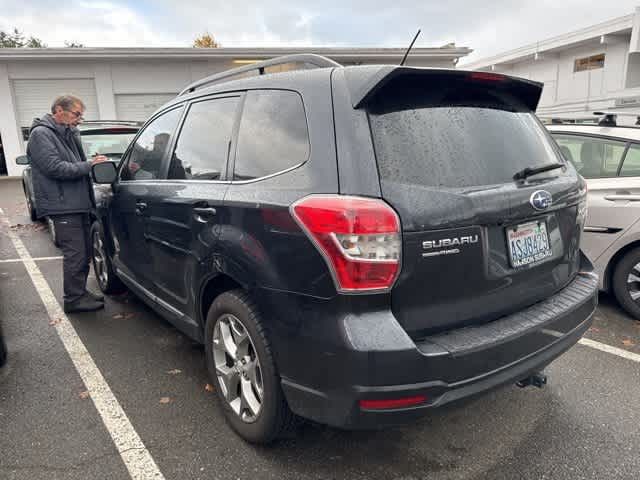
(458, 146)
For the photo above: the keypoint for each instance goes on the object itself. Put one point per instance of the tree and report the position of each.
(16, 39)
(206, 40)
(73, 44)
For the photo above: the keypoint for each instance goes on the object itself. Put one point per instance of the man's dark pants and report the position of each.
(72, 233)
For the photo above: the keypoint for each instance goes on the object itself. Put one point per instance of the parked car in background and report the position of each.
(608, 157)
(353, 245)
(104, 137)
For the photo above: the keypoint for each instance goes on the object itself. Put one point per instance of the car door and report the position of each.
(614, 189)
(184, 221)
(133, 194)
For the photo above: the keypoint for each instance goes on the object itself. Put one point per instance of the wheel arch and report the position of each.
(211, 288)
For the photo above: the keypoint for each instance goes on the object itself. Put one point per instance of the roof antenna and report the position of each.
(409, 49)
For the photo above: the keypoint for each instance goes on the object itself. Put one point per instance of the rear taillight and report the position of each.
(358, 237)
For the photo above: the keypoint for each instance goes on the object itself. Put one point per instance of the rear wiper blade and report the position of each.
(528, 172)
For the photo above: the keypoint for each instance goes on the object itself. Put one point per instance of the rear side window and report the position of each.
(273, 134)
(593, 157)
(145, 160)
(459, 145)
(203, 145)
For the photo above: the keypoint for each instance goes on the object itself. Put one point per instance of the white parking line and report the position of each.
(609, 349)
(133, 452)
(35, 259)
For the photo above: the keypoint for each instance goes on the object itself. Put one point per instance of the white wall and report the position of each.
(566, 91)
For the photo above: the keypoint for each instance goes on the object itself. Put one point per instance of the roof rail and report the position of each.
(317, 61)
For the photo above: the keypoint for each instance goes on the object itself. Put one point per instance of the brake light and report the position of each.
(392, 403)
(491, 77)
(358, 237)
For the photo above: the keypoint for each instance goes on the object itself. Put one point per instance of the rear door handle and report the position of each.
(204, 213)
(140, 207)
(622, 198)
(210, 211)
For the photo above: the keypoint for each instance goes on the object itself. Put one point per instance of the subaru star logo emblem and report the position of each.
(540, 200)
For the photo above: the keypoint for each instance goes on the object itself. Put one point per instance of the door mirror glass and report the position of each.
(105, 172)
(22, 160)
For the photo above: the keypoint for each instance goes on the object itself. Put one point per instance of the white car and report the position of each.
(608, 157)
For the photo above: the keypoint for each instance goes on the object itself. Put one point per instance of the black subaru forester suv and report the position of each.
(353, 245)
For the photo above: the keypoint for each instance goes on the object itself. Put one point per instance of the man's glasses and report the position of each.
(77, 113)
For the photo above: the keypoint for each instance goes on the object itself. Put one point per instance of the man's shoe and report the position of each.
(94, 296)
(83, 304)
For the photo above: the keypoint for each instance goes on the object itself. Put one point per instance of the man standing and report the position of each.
(63, 192)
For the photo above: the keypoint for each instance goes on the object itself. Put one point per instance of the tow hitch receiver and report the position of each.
(537, 379)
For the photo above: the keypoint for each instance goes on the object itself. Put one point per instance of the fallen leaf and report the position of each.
(628, 343)
(175, 371)
(165, 400)
(117, 316)
(55, 321)
(84, 395)
(594, 329)
(208, 387)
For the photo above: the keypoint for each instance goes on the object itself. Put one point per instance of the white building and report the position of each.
(595, 68)
(130, 83)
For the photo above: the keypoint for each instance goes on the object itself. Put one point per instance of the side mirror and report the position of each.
(105, 172)
(22, 160)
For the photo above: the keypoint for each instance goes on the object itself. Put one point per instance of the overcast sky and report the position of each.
(488, 27)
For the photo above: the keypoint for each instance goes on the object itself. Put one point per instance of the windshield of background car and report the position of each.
(111, 144)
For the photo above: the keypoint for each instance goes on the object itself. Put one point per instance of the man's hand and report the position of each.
(98, 159)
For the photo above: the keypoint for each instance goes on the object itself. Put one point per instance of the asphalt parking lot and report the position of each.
(583, 425)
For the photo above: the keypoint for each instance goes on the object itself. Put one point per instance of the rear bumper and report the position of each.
(380, 362)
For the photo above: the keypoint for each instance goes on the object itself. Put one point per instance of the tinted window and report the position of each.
(592, 157)
(273, 134)
(631, 165)
(145, 159)
(203, 145)
(458, 146)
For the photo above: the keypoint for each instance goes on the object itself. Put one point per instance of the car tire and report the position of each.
(30, 207)
(234, 314)
(624, 287)
(106, 277)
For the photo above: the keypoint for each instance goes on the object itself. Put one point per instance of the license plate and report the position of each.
(528, 243)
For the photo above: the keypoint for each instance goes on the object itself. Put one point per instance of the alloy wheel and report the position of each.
(99, 260)
(238, 368)
(633, 283)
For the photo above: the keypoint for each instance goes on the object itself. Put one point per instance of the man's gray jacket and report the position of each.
(59, 169)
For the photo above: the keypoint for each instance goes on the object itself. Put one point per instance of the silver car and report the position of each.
(608, 157)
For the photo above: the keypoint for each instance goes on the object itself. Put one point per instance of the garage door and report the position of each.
(140, 106)
(34, 97)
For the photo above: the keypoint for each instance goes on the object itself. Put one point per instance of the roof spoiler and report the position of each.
(364, 85)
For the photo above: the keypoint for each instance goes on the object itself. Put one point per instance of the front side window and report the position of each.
(631, 165)
(145, 158)
(593, 157)
(203, 145)
(273, 134)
